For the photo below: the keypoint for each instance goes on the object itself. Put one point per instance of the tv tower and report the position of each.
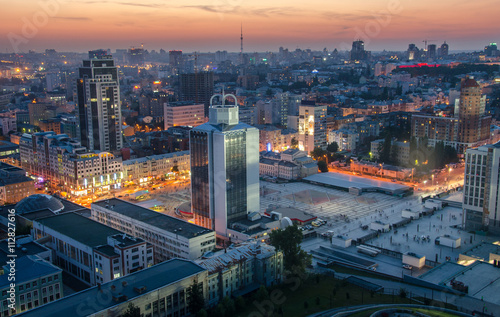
(241, 44)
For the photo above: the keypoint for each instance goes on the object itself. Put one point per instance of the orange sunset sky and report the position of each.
(211, 25)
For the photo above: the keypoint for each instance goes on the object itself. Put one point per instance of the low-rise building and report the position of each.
(170, 236)
(90, 251)
(65, 163)
(37, 282)
(289, 164)
(14, 184)
(241, 269)
(161, 290)
(147, 168)
(383, 170)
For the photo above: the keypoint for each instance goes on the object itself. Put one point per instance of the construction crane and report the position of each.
(425, 43)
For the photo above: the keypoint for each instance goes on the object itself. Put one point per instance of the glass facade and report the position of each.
(236, 175)
(200, 182)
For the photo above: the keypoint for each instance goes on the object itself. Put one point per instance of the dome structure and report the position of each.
(39, 202)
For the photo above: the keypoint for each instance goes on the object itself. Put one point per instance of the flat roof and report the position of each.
(347, 181)
(28, 268)
(83, 303)
(153, 218)
(442, 272)
(80, 228)
(293, 214)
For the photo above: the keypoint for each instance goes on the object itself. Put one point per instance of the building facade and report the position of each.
(161, 290)
(289, 164)
(224, 169)
(98, 105)
(312, 127)
(105, 255)
(144, 169)
(346, 140)
(63, 161)
(37, 283)
(183, 113)
(481, 190)
(170, 237)
(241, 269)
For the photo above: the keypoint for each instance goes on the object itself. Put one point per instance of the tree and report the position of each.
(294, 143)
(202, 313)
(229, 306)
(196, 299)
(239, 302)
(132, 311)
(322, 166)
(288, 240)
(262, 294)
(318, 153)
(333, 147)
(385, 150)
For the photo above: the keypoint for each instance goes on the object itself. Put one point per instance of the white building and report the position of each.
(289, 164)
(64, 162)
(241, 269)
(312, 127)
(183, 113)
(90, 251)
(224, 168)
(170, 237)
(481, 191)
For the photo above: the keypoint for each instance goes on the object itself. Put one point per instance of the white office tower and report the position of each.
(481, 189)
(224, 168)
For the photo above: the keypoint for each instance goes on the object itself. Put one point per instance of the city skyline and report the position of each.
(196, 26)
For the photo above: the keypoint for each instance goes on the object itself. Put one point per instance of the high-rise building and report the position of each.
(481, 191)
(175, 58)
(97, 54)
(312, 126)
(224, 169)
(412, 52)
(197, 87)
(135, 56)
(468, 128)
(358, 52)
(431, 51)
(444, 50)
(491, 50)
(473, 124)
(98, 105)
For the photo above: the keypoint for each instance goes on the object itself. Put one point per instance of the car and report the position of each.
(407, 266)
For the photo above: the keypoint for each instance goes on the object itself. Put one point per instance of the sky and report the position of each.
(211, 25)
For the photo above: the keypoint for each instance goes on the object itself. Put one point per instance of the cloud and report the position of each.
(74, 18)
(239, 10)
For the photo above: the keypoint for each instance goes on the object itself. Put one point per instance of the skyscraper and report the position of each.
(197, 87)
(444, 49)
(312, 126)
(481, 191)
(98, 105)
(224, 168)
(358, 52)
(431, 51)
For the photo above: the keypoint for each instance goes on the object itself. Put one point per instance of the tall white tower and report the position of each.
(224, 168)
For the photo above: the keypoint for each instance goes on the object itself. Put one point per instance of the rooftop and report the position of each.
(79, 228)
(153, 218)
(29, 268)
(83, 303)
(347, 181)
(226, 258)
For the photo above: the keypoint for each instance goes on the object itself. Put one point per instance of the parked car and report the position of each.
(407, 266)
